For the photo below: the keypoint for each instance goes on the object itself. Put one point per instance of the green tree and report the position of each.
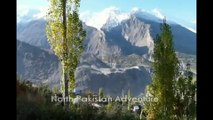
(65, 34)
(129, 96)
(185, 104)
(101, 92)
(165, 73)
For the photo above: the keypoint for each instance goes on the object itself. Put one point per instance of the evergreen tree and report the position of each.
(165, 68)
(185, 102)
(101, 92)
(129, 102)
(65, 35)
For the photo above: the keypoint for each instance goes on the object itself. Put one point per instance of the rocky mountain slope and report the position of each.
(117, 54)
(37, 65)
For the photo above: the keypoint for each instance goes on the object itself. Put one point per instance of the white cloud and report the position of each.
(85, 16)
(136, 9)
(42, 13)
(26, 14)
(157, 13)
(22, 10)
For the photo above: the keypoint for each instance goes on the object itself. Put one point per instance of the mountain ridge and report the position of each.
(116, 58)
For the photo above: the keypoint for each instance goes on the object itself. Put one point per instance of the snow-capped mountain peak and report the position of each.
(25, 15)
(154, 15)
(146, 15)
(109, 17)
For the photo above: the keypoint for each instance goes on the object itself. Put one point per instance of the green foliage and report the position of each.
(165, 72)
(185, 97)
(101, 92)
(86, 112)
(175, 92)
(55, 89)
(129, 96)
(119, 111)
(33, 103)
(65, 34)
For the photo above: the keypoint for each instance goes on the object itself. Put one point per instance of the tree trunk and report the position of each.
(66, 95)
(65, 56)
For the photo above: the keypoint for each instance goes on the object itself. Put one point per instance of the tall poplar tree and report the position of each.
(165, 73)
(65, 34)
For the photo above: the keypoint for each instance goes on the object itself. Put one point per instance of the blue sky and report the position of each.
(183, 10)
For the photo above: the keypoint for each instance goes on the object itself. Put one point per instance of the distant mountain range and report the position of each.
(36, 64)
(33, 32)
(117, 54)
